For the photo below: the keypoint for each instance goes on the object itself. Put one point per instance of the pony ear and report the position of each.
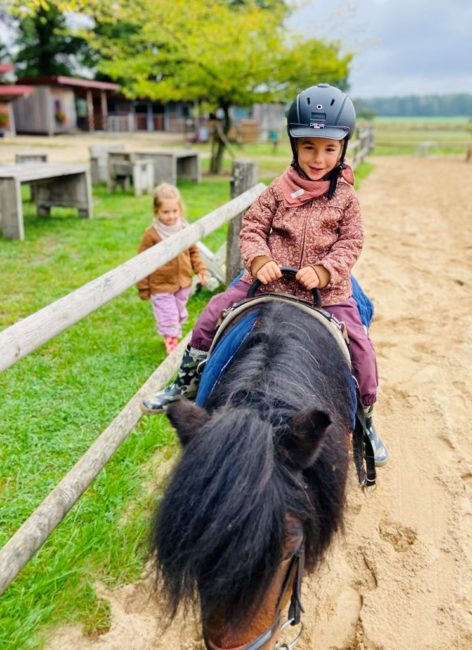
(187, 419)
(302, 440)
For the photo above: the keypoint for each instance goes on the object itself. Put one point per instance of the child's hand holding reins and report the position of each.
(308, 277)
(269, 272)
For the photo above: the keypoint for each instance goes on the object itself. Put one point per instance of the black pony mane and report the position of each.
(220, 528)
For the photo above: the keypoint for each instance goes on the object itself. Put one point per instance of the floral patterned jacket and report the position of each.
(317, 232)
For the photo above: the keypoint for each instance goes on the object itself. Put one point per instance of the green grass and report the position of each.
(402, 136)
(57, 400)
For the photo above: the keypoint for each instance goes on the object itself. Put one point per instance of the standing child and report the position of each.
(309, 219)
(169, 286)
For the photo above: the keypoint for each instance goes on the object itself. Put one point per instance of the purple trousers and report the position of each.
(363, 357)
(170, 311)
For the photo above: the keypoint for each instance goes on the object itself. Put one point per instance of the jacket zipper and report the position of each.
(303, 241)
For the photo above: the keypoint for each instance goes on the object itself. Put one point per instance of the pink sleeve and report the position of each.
(256, 226)
(346, 250)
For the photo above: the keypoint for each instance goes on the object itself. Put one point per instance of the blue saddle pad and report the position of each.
(364, 303)
(225, 350)
(222, 355)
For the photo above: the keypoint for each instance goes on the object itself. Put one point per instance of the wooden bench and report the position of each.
(55, 185)
(22, 158)
(125, 168)
(99, 161)
(171, 166)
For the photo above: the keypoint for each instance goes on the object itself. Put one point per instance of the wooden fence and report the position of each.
(362, 144)
(30, 333)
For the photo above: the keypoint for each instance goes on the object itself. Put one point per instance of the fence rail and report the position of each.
(30, 333)
(362, 144)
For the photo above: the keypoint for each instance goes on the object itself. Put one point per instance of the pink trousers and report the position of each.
(362, 350)
(170, 311)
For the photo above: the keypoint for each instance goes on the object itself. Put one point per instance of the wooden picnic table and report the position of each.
(54, 185)
(167, 165)
(173, 165)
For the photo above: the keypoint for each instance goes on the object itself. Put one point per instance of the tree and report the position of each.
(47, 46)
(219, 52)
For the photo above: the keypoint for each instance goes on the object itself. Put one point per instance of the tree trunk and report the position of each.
(220, 141)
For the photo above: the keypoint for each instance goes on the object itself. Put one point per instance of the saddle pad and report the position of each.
(222, 354)
(364, 303)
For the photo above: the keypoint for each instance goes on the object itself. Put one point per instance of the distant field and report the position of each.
(404, 135)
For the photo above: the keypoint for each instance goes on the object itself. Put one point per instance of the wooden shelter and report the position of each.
(8, 94)
(63, 104)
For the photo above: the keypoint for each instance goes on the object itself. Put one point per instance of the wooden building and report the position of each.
(8, 94)
(63, 104)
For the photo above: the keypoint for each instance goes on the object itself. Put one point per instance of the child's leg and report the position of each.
(181, 299)
(364, 367)
(205, 327)
(364, 363)
(166, 313)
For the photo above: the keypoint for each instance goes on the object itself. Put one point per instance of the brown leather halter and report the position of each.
(293, 579)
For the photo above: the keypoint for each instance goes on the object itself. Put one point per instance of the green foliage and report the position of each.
(215, 51)
(46, 46)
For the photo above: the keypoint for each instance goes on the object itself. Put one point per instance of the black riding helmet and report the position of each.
(322, 111)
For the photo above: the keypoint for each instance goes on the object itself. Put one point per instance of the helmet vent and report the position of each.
(308, 100)
(332, 102)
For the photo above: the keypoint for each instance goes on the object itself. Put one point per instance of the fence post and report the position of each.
(243, 177)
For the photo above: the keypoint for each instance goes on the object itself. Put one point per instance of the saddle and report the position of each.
(236, 324)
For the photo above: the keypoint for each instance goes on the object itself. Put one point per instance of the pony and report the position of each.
(260, 483)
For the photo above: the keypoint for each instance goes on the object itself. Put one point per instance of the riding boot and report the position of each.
(185, 384)
(380, 450)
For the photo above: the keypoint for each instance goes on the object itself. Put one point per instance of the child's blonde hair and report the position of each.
(166, 191)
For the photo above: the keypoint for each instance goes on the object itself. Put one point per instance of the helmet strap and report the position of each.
(335, 173)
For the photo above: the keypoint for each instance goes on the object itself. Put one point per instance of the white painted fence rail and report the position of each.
(30, 333)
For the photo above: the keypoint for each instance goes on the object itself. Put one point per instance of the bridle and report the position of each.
(293, 579)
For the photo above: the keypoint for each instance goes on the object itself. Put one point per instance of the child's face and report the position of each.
(318, 156)
(168, 212)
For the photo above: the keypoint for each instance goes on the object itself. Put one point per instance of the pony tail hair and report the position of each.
(220, 526)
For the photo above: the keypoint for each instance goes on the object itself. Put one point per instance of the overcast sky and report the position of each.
(403, 46)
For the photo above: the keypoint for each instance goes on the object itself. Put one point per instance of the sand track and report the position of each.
(401, 576)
